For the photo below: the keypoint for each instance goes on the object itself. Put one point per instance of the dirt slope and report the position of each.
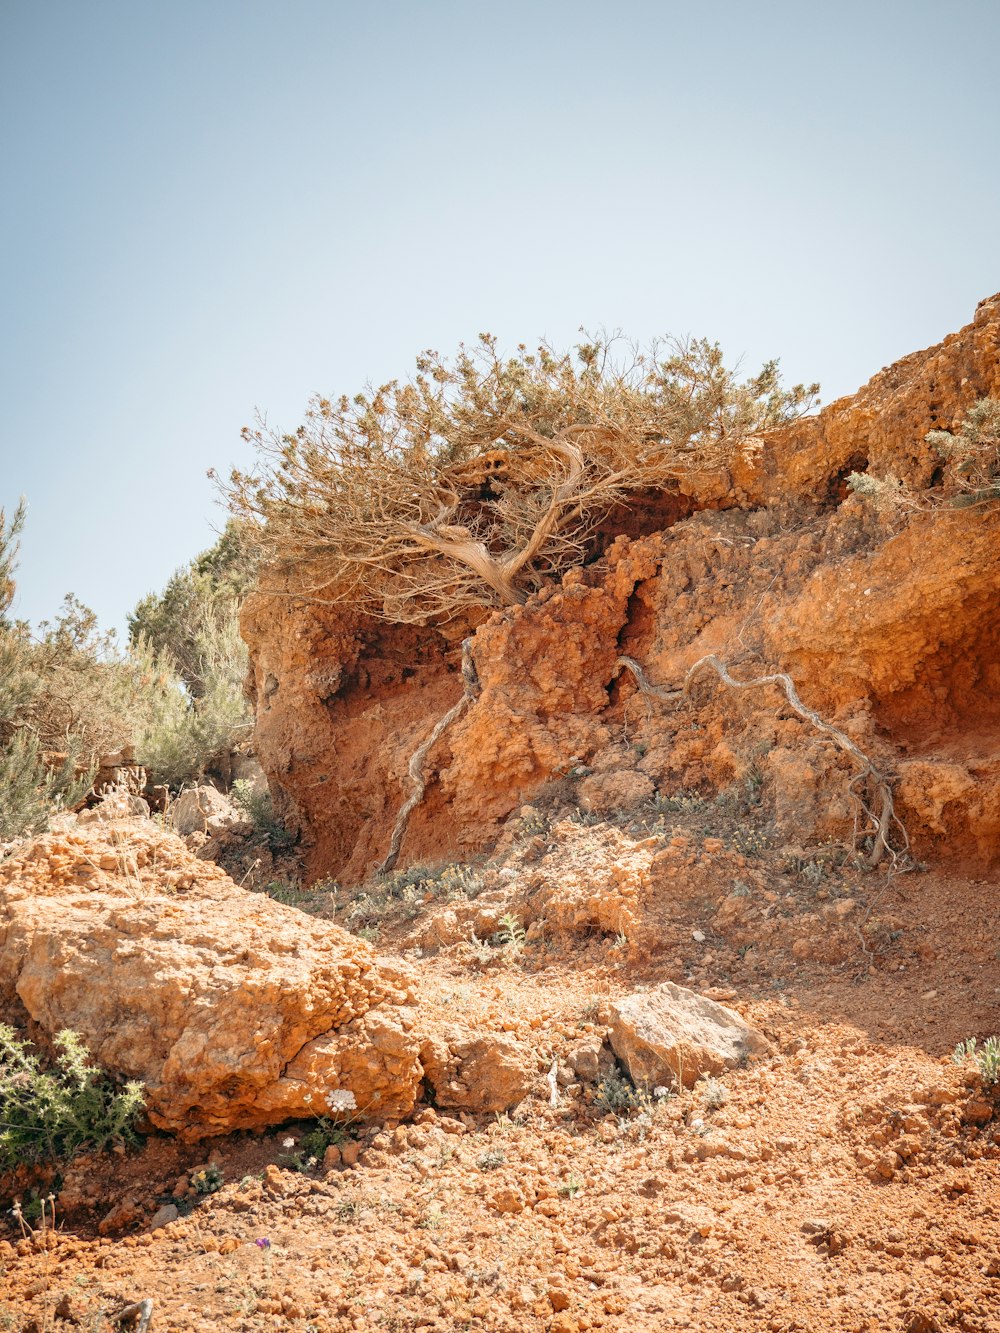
(847, 1182)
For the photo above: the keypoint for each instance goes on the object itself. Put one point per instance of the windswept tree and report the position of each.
(483, 477)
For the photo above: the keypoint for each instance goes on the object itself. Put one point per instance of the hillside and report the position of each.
(646, 1029)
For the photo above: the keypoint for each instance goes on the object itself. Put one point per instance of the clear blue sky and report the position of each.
(226, 205)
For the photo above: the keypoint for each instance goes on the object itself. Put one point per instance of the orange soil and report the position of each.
(848, 1183)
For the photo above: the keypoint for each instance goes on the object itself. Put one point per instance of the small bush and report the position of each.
(714, 1094)
(46, 1116)
(681, 803)
(986, 1058)
(307, 1154)
(973, 453)
(491, 1160)
(260, 811)
(617, 1095)
(511, 935)
(209, 1181)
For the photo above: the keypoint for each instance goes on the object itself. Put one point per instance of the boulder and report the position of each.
(487, 1073)
(234, 1011)
(203, 810)
(672, 1035)
(115, 805)
(609, 793)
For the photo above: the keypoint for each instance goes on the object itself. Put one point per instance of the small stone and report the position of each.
(886, 1166)
(164, 1216)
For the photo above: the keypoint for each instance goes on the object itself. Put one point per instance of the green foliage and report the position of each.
(886, 495)
(986, 1058)
(198, 609)
(260, 811)
(972, 474)
(46, 1116)
(30, 787)
(69, 694)
(618, 1095)
(208, 1181)
(185, 733)
(511, 935)
(30, 790)
(973, 453)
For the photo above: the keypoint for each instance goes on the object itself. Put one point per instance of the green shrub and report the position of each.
(973, 453)
(198, 607)
(49, 1115)
(259, 809)
(617, 1095)
(208, 1181)
(986, 1058)
(70, 694)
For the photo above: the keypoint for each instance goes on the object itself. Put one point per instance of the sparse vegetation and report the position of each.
(617, 1095)
(259, 809)
(985, 1057)
(511, 935)
(714, 1094)
(972, 472)
(70, 694)
(47, 1115)
(208, 1181)
(491, 1160)
(973, 454)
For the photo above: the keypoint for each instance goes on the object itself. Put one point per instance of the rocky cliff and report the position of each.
(890, 630)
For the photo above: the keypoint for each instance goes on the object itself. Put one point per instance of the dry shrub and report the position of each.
(482, 477)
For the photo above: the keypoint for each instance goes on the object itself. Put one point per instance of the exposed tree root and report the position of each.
(415, 767)
(875, 813)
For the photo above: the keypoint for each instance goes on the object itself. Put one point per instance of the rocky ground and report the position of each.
(846, 1178)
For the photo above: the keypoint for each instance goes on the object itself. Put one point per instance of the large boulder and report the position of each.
(234, 1011)
(672, 1036)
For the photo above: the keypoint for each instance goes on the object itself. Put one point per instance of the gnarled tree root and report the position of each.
(415, 767)
(875, 813)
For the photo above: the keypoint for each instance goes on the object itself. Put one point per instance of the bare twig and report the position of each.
(879, 825)
(868, 789)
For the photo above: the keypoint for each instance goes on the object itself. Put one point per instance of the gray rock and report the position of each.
(162, 1216)
(672, 1035)
(203, 810)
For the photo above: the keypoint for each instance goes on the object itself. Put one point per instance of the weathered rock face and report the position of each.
(892, 633)
(670, 1037)
(236, 1012)
(473, 1073)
